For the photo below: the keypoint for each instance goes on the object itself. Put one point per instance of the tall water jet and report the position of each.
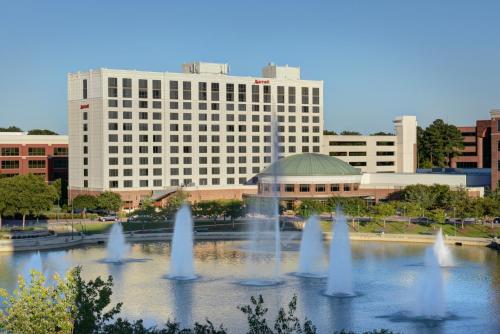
(311, 249)
(276, 197)
(181, 259)
(340, 265)
(117, 248)
(442, 251)
(430, 301)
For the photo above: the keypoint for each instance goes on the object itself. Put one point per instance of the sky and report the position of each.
(378, 59)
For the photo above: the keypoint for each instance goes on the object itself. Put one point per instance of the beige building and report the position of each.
(139, 132)
(378, 154)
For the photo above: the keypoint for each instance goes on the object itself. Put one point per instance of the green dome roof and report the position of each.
(311, 164)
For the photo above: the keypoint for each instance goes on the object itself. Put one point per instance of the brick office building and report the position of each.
(477, 146)
(44, 155)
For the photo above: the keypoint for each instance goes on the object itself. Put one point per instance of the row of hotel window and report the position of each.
(361, 154)
(359, 143)
(176, 171)
(173, 182)
(32, 151)
(203, 90)
(142, 104)
(306, 188)
(204, 117)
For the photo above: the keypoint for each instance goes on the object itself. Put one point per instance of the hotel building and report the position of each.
(378, 154)
(140, 133)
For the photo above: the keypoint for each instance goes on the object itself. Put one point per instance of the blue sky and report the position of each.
(378, 59)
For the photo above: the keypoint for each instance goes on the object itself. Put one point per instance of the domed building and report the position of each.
(318, 176)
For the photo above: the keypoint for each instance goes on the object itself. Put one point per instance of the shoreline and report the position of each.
(66, 242)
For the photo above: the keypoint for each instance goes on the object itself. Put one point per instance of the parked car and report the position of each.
(108, 218)
(422, 220)
(496, 220)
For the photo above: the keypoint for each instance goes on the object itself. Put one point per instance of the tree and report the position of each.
(384, 210)
(350, 133)
(41, 132)
(438, 144)
(419, 194)
(91, 299)
(173, 204)
(30, 194)
(233, 208)
(329, 133)
(85, 202)
(11, 128)
(382, 133)
(38, 308)
(110, 201)
(309, 207)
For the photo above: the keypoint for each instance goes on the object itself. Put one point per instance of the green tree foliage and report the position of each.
(383, 210)
(37, 308)
(382, 133)
(41, 132)
(438, 144)
(11, 128)
(110, 201)
(351, 206)
(329, 133)
(309, 207)
(350, 133)
(92, 301)
(85, 202)
(173, 204)
(27, 195)
(233, 208)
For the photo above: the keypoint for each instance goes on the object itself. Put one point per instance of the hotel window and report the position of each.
(202, 91)
(10, 151)
(112, 184)
(113, 114)
(156, 89)
(10, 164)
(157, 183)
(230, 107)
(347, 187)
(304, 188)
(126, 126)
(230, 180)
(113, 149)
(316, 110)
(127, 104)
(127, 161)
(385, 163)
(112, 87)
(174, 90)
(305, 95)
(38, 151)
(385, 143)
(385, 153)
(347, 143)
(320, 188)
(186, 90)
(85, 161)
(84, 88)
(334, 187)
(315, 94)
(357, 154)
(143, 89)
(143, 172)
(291, 96)
(127, 172)
(305, 149)
(255, 94)
(127, 149)
(289, 188)
(126, 183)
(267, 94)
(357, 163)
(215, 91)
(281, 94)
(85, 172)
(85, 116)
(113, 172)
(242, 107)
(143, 126)
(113, 161)
(157, 161)
(242, 93)
(355, 186)
(112, 103)
(143, 104)
(127, 88)
(229, 92)
(127, 115)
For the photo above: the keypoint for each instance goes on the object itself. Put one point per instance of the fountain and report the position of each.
(34, 263)
(311, 249)
(117, 248)
(340, 265)
(442, 251)
(181, 260)
(430, 302)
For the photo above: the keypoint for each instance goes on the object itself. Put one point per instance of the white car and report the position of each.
(108, 219)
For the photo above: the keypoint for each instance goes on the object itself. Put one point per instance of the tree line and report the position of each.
(13, 128)
(72, 305)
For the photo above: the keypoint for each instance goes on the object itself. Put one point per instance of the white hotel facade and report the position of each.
(140, 133)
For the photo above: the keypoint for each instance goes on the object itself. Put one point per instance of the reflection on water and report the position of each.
(384, 276)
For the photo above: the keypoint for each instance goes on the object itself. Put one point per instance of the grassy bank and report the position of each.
(469, 230)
